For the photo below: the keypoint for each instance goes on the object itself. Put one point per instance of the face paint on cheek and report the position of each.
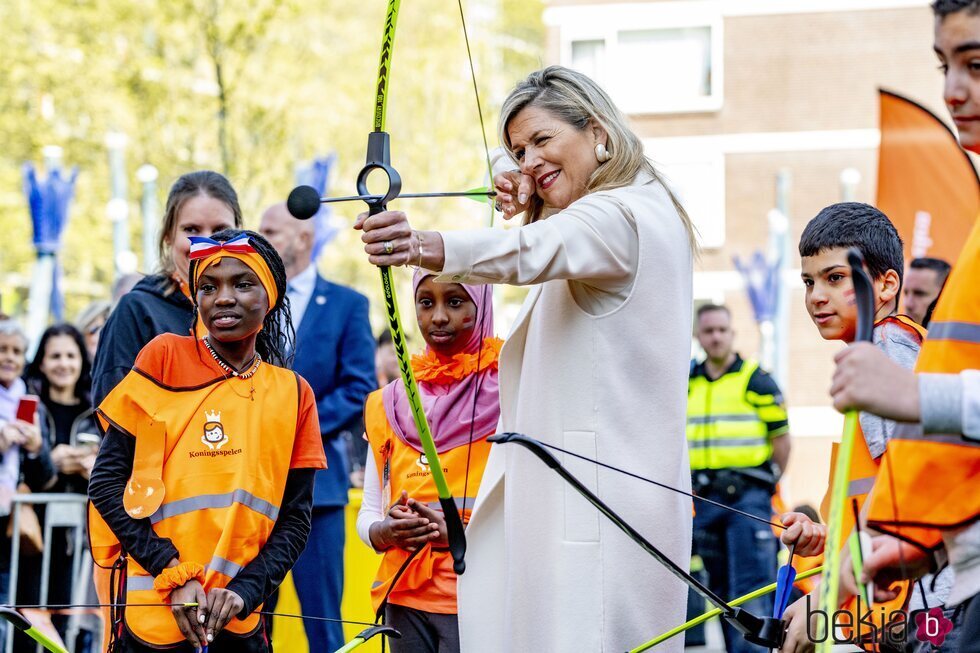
(849, 296)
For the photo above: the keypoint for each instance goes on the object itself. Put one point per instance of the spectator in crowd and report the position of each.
(385, 361)
(199, 204)
(91, 321)
(923, 283)
(737, 435)
(124, 284)
(335, 353)
(24, 456)
(60, 375)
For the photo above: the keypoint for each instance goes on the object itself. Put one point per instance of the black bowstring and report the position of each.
(662, 485)
(476, 94)
(487, 296)
(119, 606)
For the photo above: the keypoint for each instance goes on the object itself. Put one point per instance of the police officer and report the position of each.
(737, 434)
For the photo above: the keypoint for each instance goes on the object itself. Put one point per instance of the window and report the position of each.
(650, 62)
(697, 177)
(589, 57)
(660, 69)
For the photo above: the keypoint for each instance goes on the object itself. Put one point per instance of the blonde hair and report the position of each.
(574, 98)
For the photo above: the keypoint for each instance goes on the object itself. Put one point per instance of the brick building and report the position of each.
(727, 95)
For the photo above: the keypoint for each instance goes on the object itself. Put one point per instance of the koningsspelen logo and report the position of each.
(876, 624)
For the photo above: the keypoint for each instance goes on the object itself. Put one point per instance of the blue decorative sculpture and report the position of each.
(48, 200)
(317, 175)
(762, 283)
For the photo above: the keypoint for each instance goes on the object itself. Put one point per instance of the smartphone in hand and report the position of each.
(27, 408)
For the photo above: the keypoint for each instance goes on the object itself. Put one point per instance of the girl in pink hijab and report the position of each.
(400, 515)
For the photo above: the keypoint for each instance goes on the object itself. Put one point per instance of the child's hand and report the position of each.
(402, 528)
(808, 536)
(190, 619)
(223, 604)
(441, 536)
(892, 560)
(866, 379)
(799, 627)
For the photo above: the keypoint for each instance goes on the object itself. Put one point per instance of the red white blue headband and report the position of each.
(202, 247)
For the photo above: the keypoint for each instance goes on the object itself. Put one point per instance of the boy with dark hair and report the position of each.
(830, 294)
(830, 302)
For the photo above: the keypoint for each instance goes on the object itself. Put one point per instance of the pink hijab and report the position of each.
(457, 411)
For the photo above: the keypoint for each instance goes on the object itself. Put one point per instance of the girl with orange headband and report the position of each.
(204, 483)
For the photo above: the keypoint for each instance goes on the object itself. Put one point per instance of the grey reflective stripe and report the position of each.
(961, 331)
(223, 566)
(860, 486)
(435, 505)
(735, 417)
(139, 583)
(218, 564)
(727, 442)
(376, 583)
(204, 501)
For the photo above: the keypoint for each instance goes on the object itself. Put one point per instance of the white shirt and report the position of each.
(300, 290)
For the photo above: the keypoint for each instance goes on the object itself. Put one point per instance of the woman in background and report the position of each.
(199, 204)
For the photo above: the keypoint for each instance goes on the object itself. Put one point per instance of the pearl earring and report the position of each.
(601, 153)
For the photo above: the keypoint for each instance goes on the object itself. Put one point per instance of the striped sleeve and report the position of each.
(763, 393)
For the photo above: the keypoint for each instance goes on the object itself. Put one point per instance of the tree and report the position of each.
(250, 88)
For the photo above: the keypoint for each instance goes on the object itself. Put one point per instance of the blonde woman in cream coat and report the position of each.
(596, 363)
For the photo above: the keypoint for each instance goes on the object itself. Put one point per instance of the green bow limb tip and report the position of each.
(24, 625)
(697, 621)
(366, 635)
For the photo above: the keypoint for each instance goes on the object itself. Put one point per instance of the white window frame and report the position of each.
(666, 153)
(606, 25)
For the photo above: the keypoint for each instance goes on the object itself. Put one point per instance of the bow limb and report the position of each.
(830, 578)
(714, 612)
(764, 631)
(379, 158)
(366, 634)
(23, 624)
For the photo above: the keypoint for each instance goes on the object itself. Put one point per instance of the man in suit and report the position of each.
(335, 354)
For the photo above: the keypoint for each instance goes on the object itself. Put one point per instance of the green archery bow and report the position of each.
(830, 579)
(379, 158)
(714, 612)
(23, 624)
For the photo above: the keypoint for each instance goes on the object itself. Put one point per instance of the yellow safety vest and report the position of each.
(726, 424)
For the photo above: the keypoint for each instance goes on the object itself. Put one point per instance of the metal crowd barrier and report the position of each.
(62, 510)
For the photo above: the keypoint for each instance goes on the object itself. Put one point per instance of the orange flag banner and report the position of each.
(927, 184)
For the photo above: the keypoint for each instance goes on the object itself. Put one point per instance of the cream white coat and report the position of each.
(596, 363)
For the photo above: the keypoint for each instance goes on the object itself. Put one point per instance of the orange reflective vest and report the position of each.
(209, 471)
(862, 477)
(429, 582)
(921, 472)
